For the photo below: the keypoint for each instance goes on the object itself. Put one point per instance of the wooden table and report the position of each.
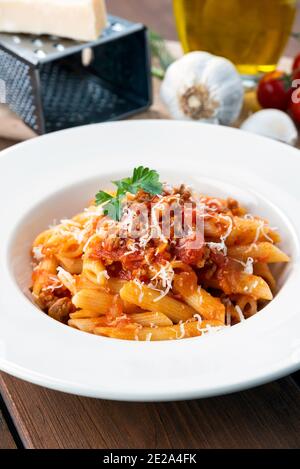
(35, 417)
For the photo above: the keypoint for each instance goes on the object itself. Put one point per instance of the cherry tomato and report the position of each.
(296, 63)
(274, 90)
(294, 111)
(296, 74)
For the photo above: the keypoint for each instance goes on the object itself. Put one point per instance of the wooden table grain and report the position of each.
(6, 438)
(35, 417)
(265, 417)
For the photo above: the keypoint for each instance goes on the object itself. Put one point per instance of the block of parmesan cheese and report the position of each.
(82, 20)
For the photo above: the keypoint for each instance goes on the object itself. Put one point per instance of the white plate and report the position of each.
(54, 176)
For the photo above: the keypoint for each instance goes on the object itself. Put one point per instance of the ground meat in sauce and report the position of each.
(61, 309)
(187, 252)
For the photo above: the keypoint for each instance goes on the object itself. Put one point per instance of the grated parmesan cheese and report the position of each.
(261, 230)
(221, 246)
(66, 279)
(51, 288)
(199, 321)
(182, 331)
(249, 266)
(166, 275)
(140, 285)
(254, 285)
(37, 253)
(240, 313)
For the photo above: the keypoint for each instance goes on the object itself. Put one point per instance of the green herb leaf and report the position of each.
(113, 209)
(102, 197)
(142, 179)
(123, 185)
(146, 179)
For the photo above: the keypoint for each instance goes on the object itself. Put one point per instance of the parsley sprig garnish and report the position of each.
(142, 179)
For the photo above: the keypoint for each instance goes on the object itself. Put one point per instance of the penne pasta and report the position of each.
(264, 252)
(115, 284)
(93, 300)
(72, 265)
(178, 331)
(95, 271)
(149, 299)
(245, 231)
(83, 283)
(67, 280)
(131, 308)
(247, 305)
(84, 314)
(200, 300)
(49, 264)
(263, 270)
(155, 262)
(86, 324)
(245, 284)
(151, 319)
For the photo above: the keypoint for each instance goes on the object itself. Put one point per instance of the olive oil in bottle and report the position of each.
(250, 33)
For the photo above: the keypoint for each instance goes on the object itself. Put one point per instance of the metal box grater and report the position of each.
(54, 83)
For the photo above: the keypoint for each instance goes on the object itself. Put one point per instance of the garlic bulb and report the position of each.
(204, 87)
(272, 123)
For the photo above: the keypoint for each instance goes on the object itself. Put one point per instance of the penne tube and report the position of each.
(245, 231)
(232, 316)
(149, 299)
(200, 300)
(49, 264)
(84, 313)
(128, 332)
(93, 300)
(95, 271)
(70, 248)
(87, 324)
(181, 266)
(260, 252)
(130, 308)
(245, 284)
(40, 279)
(72, 265)
(115, 284)
(82, 283)
(178, 331)
(263, 270)
(67, 280)
(215, 227)
(150, 318)
(247, 305)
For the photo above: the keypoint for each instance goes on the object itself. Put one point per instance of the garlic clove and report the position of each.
(272, 123)
(179, 90)
(229, 91)
(202, 87)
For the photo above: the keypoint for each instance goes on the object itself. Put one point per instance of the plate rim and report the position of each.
(52, 383)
